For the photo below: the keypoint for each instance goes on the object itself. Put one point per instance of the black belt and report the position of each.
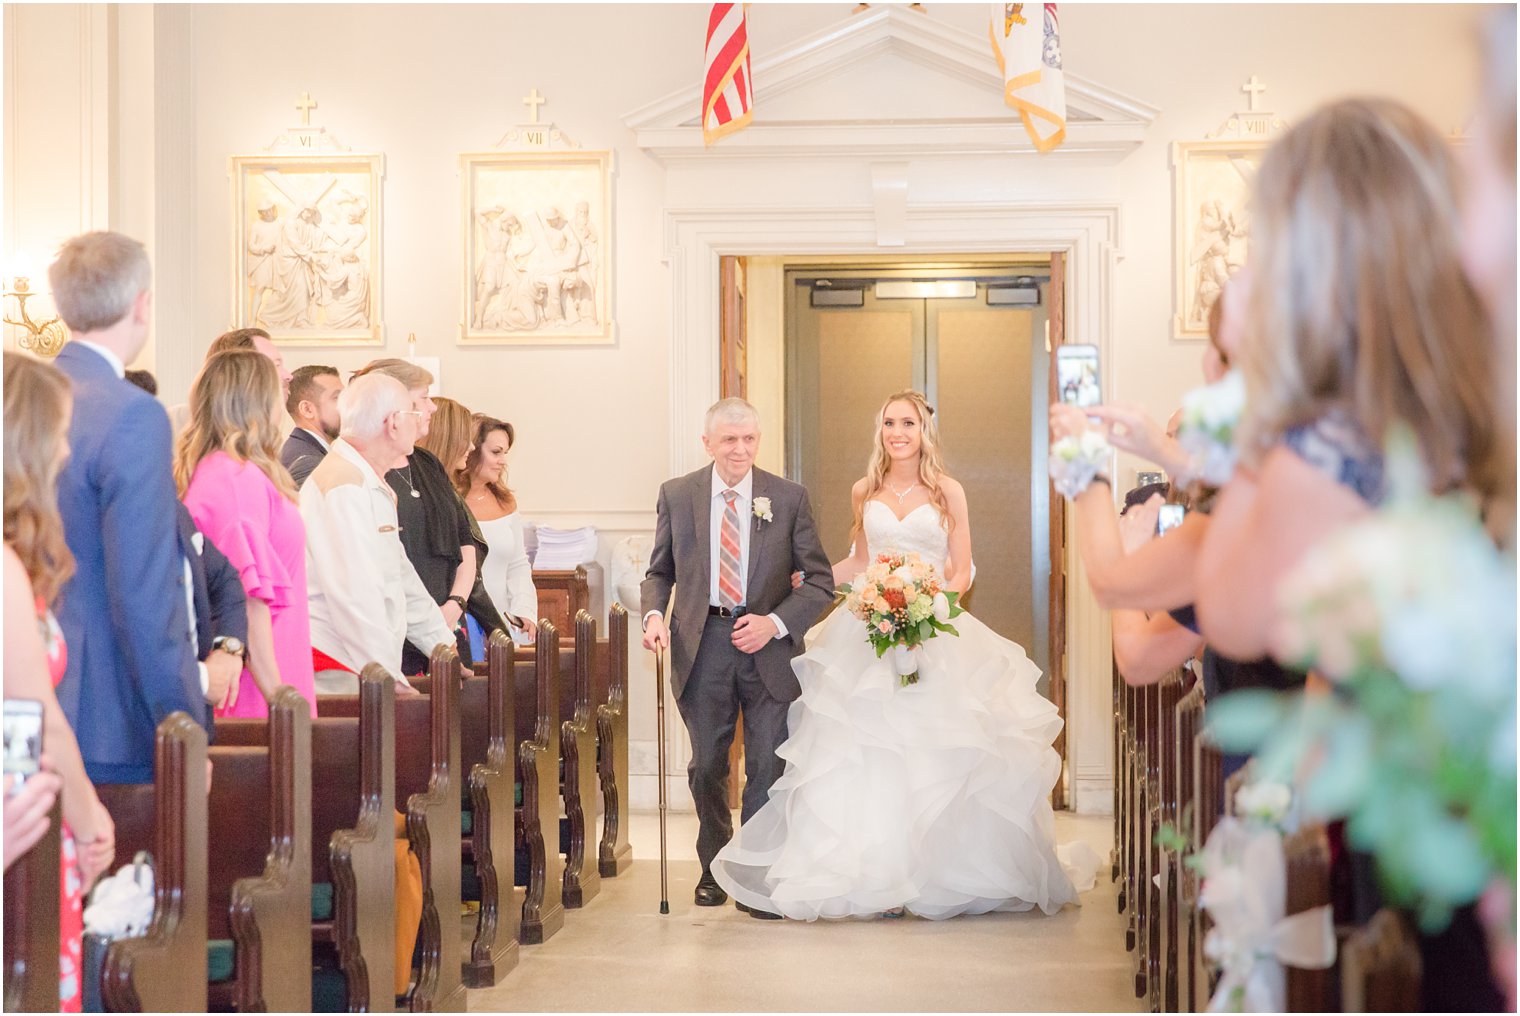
(729, 612)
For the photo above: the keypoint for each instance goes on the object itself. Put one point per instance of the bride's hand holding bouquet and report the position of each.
(903, 604)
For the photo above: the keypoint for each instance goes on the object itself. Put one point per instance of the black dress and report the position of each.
(435, 525)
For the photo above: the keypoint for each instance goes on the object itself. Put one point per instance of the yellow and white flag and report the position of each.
(1026, 38)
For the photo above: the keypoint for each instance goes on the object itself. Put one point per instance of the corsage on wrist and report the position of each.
(1075, 461)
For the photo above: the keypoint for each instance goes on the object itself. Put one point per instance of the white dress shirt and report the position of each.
(321, 440)
(744, 505)
(365, 597)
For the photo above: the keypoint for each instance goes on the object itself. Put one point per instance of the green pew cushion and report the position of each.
(517, 794)
(466, 822)
(219, 960)
(321, 901)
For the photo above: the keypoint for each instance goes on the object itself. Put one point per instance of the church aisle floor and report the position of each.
(619, 954)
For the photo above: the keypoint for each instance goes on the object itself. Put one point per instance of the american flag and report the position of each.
(728, 94)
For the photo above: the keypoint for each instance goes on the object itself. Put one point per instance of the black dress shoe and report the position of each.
(709, 893)
(763, 915)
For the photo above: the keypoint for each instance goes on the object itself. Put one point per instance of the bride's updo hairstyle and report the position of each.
(1358, 306)
(931, 465)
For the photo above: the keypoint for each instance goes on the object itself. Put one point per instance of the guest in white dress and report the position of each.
(507, 571)
(931, 798)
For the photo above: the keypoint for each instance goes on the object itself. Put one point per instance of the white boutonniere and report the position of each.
(762, 509)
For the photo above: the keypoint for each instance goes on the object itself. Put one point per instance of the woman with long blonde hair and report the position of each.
(1359, 323)
(38, 404)
(227, 468)
(930, 798)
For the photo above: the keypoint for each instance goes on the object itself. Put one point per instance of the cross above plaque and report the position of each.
(533, 100)
(306, 104)
(1253, 88)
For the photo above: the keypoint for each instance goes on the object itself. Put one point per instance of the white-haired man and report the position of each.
(365, 597)
(727, 541)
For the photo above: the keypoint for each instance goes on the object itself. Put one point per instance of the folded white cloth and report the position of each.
(121, 905)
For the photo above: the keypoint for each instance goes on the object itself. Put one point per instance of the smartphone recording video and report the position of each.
(23, 739)
(1169, 517)
(1077, 375)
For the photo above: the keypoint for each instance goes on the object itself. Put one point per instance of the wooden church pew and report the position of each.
(1208, 791)
(164, 970)
(1380, 966)
(578, 771)
(1146, 966)
(488, 746)
(352, 904)
(259, 875)
(428, 780)
(31, 923)
(1189, 946)
(1169, 863)
(1306, 855)
(614, 852)
(537, 694)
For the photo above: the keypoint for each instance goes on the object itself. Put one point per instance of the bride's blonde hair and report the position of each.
(931, 464)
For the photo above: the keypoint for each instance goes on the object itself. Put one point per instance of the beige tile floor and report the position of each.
(619, 954)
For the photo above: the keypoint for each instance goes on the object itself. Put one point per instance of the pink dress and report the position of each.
(70, 884)
(260, 531)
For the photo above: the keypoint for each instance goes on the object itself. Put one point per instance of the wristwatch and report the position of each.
(463, 606)
(228, 644)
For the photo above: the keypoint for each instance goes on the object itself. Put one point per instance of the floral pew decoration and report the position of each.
(1410, 614)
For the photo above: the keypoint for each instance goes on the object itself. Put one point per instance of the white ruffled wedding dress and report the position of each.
(932, 797)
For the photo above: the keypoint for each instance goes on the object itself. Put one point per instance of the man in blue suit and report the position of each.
(124, 614)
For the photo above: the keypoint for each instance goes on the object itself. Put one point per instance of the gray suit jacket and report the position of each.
(682, 560)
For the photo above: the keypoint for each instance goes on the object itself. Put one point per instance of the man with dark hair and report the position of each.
(144, 379)
(313, 404)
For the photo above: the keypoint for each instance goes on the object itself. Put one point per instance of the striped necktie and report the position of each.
(730, 587)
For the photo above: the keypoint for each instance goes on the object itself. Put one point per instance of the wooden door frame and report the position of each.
(1087, 232)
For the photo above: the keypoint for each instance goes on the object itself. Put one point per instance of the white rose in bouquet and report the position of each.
(1210, 416)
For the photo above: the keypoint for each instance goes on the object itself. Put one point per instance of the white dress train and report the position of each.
(932, 797)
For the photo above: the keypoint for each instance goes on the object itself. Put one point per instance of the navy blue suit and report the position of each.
(123, 614)
(221, 604)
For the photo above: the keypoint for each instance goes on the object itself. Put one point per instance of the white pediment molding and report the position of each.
(1098, 119)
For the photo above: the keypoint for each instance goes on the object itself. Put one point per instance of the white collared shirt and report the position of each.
(320, 439)
(109, 356)
(365, 597)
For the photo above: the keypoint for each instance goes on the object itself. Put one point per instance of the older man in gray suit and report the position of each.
(728, 540)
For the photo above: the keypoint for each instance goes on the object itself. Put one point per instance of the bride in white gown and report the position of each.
(931, 798)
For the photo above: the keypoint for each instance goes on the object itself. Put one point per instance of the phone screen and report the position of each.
(1169, 517)
(23, 738)
(1077, 375)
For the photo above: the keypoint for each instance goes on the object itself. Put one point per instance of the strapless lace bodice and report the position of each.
(918, 533)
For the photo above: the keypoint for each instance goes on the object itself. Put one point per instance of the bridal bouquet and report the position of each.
(1411, 615)
(900, 599)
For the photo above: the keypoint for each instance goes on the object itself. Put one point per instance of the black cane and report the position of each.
(659, 698)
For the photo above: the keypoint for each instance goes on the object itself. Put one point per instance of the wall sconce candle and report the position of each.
(45, 338)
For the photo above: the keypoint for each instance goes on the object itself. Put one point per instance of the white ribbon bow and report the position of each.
(1245, 892)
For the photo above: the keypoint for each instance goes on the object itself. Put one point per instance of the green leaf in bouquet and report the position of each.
(1345, 773)
(1446, 861)
(925, 631)
(845, 589)
(1242, 720)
